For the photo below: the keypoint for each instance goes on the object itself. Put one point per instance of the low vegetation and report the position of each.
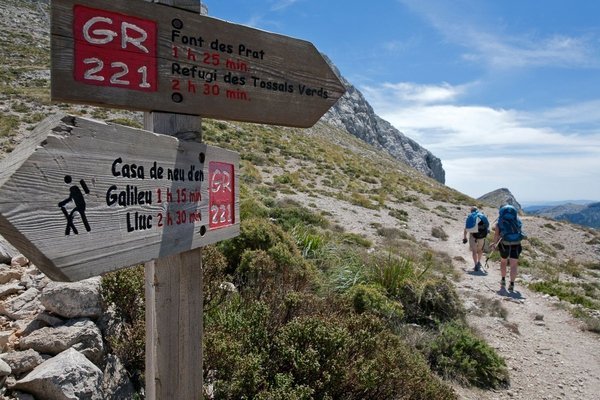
(297, 308)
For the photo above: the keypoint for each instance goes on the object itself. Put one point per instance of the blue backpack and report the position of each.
(510, 225)
(477, 224)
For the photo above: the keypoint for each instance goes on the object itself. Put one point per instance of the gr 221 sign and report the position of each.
(115, 50)
(139, 55)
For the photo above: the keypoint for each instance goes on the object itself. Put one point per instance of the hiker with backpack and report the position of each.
(478, 227)
(508, 233)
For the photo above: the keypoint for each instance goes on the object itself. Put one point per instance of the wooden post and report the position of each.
(174, 297)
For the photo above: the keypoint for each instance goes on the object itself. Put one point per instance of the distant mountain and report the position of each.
(500, 197)
(545, 204)
(586, 215)
(354, 114)
(552, 211)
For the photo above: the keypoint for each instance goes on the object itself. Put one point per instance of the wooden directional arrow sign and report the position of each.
(81, 198)
(138, 55)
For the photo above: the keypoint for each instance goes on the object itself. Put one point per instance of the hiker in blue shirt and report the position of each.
(477, 226)
(508, 234)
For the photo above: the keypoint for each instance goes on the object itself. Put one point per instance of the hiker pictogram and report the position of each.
(75, 196)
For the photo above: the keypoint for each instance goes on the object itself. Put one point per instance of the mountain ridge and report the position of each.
(586, 215)
(353, 113)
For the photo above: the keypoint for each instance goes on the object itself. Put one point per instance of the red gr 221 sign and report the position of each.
(112, 49)
(140, 55)
(221, 194)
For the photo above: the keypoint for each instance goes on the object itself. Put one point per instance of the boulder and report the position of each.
(73, 299)
(5, 369)
(69, 375)
(116, 380)
(8, 274)
(22, 306)
(7, 252)
(22, 361)
(19, 261)
(8, 289)
(82, 335)
(4, 338)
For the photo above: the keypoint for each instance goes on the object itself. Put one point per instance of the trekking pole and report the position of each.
(494, 248)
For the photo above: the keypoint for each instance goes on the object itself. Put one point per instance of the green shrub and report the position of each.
(391, 273)
(289, 213)
(400, 215)
(592, 322)
(458, 354)
(373, 298)
(214, 275)
(356, 239)
(310, 243)
(265, 262)
(8, 125)
(566, 291)
(361, 200)
(236, 348)
(383, 366)
(255, 234)
(314, 353)
(430, 302)
(123, 292)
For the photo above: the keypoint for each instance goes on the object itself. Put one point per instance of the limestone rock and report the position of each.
(22, 361)
(116, 381)
(69, 375)
(82, 335)
(4, 337)
(22, 306)
(8, 274)
(5, 369)
(73, 299)
(9, 288)
(19, 261)
(500, 197)
(7, 252)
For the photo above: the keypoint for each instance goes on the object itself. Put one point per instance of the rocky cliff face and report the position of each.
(354, 114)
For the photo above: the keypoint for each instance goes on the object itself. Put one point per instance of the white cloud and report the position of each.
(505, 52)
(479, 144)
(281, 4)
(410, 93)
(529, 178)
(488, 40)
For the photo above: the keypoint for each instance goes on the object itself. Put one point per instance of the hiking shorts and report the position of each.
(510, 250)
(476, 244)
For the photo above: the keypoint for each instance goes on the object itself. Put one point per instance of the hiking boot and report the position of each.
(503, 282)
(477, 267)
(511, 287)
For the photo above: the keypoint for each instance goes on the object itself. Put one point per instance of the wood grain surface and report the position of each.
(203, 66)
(143, 196)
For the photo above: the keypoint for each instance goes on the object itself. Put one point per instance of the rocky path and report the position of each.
(547, 353)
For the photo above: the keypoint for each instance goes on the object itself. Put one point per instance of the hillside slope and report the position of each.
(367, 193)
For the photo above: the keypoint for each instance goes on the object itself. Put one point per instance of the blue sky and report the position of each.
(505, 92)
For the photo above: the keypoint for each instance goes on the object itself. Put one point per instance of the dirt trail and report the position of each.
(547, 353)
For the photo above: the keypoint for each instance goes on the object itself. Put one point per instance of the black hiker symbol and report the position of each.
(76, 197)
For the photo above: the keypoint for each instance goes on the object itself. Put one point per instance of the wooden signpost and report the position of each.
(81, 198)
(145, 56)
